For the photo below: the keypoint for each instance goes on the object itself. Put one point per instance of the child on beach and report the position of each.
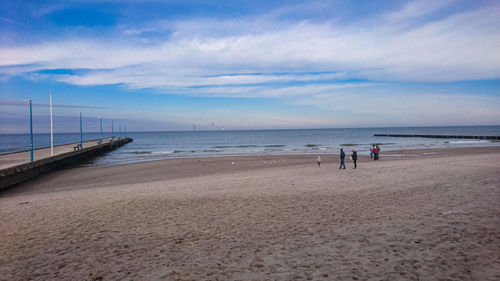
(375, 153)
(319, 161)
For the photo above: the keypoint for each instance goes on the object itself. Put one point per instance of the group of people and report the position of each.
(374, 154)
(354, 157)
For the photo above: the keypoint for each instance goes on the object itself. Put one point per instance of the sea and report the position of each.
(148, 146)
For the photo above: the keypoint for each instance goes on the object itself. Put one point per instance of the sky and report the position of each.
(169, 65)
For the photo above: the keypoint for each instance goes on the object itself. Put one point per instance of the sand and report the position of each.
(429, 215)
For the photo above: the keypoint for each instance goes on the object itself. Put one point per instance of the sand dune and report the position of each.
(422, 218)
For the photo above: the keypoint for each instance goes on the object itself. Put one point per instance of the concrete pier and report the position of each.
(439, 136)
(16, 167)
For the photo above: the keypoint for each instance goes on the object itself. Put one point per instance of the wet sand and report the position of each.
(419, 215)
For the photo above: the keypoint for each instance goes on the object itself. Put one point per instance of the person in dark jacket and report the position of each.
(354, 157)
(375, 153)
(342, 157)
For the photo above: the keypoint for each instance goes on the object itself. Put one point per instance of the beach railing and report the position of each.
(23, 172)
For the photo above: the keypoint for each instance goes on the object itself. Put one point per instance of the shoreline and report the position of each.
(402, 152)
(89, 176)
(180, 155)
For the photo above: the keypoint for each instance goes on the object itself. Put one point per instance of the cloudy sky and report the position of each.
(165, 65)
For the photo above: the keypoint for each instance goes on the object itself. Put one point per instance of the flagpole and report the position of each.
(51, 129)
(81, 134)
(100, 128)
(31, 133)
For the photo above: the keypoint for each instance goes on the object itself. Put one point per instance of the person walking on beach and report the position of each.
(371, 151)
(378, 151)
(342, 157)
(354, 157)
(319, 161)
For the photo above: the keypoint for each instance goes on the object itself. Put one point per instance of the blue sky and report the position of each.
(166, 65)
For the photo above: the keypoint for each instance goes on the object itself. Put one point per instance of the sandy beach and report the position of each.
(413, 215)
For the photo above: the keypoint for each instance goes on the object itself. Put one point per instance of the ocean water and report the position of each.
(149, 146)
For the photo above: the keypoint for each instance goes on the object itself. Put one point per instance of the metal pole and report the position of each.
(51, 129)
(100, 127)
(125, 129)
(81, 134)
(120, 129)
(112, 130)
(31, 133)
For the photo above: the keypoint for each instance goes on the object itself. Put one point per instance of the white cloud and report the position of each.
(450, 108)
(459, 47)
(300, 62)
(416, 9)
